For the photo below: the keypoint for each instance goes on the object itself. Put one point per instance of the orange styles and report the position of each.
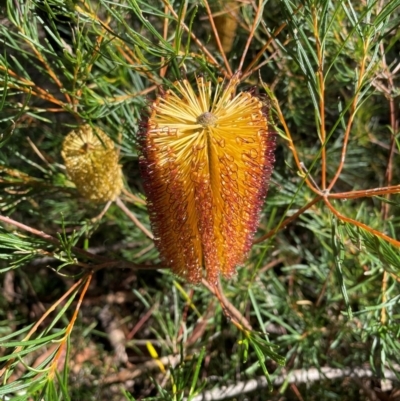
(206, 159)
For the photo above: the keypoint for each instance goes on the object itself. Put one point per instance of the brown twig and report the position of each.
(127, 53)
(292, 147)
(353, 110)
(163, 70)
(46, 65)
(361, 225)
(132, 197)
(385, 279)
(102, 261)
(124, 98)
(321, 93)
(31, 88)
(394, 125)
(141, 322)
(365, 193)
(249, 69)
(217, 39)
(137, 222)
(40, 321)
(70, 326)
(211, 58)
(251, 35)
(288, 220)
(229, 310)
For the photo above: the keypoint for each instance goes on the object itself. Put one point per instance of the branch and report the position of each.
(103, 262)
(296, 376)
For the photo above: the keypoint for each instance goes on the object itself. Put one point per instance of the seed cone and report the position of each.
(92, 164)
(206, 159)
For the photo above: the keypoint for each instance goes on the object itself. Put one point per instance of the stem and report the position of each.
(292, 147)
(132, 197)
(321, 80)
(361, 225)
(287, 221)
(141, 227)
(394, 125)
(248, 69)
(196, 40)
(251, 35)
(229, 310)
(48, 238)
(70, 326)
(122, 47)
(163, 70)
(39, 322)
(37, 91)
(353, 110)
(364, 193)
(384, 296)
(217, 39)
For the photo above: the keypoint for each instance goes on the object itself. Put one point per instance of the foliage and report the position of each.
(87, 310)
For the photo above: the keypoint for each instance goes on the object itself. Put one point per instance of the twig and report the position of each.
(44, 62)
(132, 197)
(321, 80)
(122, 47)
(292, 147)
(102, 213)
(394, 125)
(103, 262)
(163, 70)
(296, 376)
(364, 193)
(196, 40)
(217, 39)
(126, 374)
(37, 151)
(248, 71)
(68, 330)
(39, 322)
(124, 98)
(287, 221)
(384, 286)
(37, 91)
(141, 227)
(229, 310)
(251, 35)
(353, 110)
(141, 322)
(266, 61)
(361, 225)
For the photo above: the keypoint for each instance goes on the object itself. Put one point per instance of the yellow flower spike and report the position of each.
(206, 160)
(91, 161)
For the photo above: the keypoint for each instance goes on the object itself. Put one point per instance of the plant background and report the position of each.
(84, 313)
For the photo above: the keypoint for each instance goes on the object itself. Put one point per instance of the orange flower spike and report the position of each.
(206, 161)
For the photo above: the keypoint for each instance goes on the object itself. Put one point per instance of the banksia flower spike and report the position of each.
(91, 161)
(206, 159)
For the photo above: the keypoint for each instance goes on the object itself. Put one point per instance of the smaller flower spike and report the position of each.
(92, 164)
(206, 160)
